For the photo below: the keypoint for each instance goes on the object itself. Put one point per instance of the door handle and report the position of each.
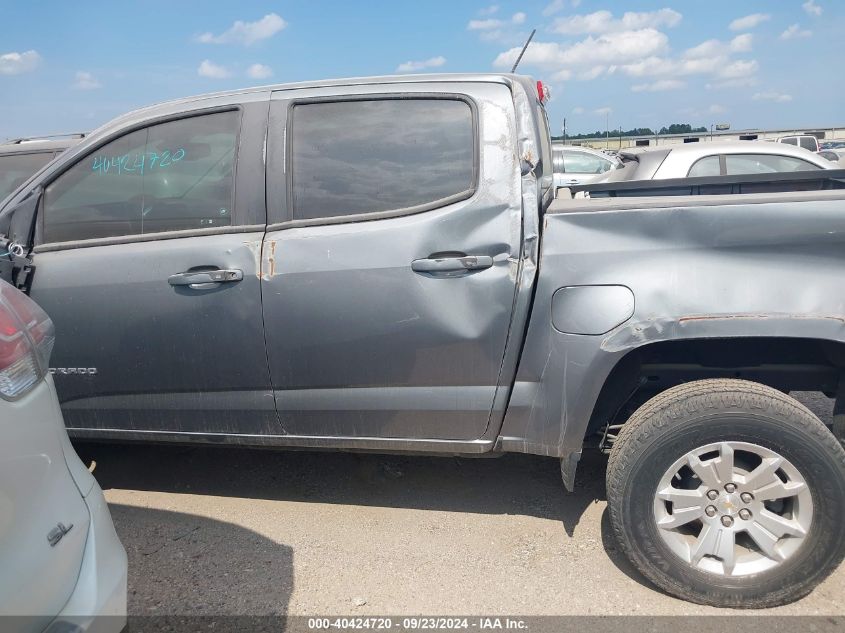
(202, 279)
(454, 265)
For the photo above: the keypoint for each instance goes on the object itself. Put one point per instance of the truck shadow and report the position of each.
(511, 484)
(184, 571)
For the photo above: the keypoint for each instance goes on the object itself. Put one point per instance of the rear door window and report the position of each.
(15, 169)
(810, 143)
(171, 176)
(583, 163)
(377, 155)
(707, 166)
(765, 163)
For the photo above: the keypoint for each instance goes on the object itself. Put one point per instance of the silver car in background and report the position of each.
(62, 567)
(580, 165)
(716, 159)
(21, 158)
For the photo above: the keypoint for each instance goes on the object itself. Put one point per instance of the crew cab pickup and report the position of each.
(381, 264)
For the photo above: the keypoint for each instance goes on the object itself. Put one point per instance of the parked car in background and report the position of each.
(580, 165)
(61, 563)
(716, 159)
(807, 141)
(831, 145)
(21, 158)
(834, 155)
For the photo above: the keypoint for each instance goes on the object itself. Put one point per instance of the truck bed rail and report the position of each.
(718, 185)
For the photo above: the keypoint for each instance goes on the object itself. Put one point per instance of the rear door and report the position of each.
(147, 261)
(392, 258)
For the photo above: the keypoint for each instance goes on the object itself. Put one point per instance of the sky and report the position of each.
(71, 66)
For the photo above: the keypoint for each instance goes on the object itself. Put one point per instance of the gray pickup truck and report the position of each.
(381, 264)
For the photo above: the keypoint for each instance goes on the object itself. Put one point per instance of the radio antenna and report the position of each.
(522, 52)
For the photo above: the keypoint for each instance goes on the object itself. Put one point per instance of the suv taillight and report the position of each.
(26, 341)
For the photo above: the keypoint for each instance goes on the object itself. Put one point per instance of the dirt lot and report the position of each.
(231, 531)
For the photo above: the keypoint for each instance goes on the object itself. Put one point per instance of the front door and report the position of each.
(390, 279)
(148, 265)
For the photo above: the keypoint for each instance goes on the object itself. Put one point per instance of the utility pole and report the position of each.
(607, 130)
(564, 130)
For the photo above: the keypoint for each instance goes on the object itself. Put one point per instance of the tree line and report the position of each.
(675, 128)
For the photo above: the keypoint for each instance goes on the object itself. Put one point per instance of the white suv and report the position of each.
(62, 567)
(807, 141)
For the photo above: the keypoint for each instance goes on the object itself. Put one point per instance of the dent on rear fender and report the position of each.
(706, 272)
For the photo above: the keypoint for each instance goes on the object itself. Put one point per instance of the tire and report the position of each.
(744, 421)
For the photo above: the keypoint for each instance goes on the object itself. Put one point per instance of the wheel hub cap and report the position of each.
(733, 508)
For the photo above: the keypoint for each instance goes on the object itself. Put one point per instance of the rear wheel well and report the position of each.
(786, 364)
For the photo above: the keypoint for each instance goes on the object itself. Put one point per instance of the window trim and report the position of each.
(390, 213)
(39, 245)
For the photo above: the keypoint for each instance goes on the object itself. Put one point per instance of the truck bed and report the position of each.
(704, 191)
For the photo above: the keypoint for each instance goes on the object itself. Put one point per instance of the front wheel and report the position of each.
(728, 493)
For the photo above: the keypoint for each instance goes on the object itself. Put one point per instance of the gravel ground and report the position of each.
(233, 531)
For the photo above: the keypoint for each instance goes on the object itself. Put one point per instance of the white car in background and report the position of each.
(807, 141)
(716, 159)
(62, 567)
(579, 165)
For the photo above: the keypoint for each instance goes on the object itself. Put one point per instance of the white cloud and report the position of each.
(17, 63)
(743, 83)
(777, 97)
(85, 81)
(591, 52)
(555, 6)
(739, 69)
(716, 109)
(410, 67)
(717, 48)
(603, 111)
(247, 33)
(592, 73)
(749, 21)
(484, 25)
(259, 71)
(604, 22)
(493, 8)
(577, 110)
(795, 31)
(211, 70)
(812, 8)
(661, 85)
(495, 23)
(742, 43)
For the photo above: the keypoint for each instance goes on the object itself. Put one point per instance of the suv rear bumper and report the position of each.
(98, 602)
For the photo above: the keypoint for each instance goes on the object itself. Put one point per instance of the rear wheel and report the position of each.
(728, 493)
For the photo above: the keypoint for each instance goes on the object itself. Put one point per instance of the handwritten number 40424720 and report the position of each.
(136, 163)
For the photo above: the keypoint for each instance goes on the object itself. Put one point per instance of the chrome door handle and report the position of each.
(459, 265)
(205, 278)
